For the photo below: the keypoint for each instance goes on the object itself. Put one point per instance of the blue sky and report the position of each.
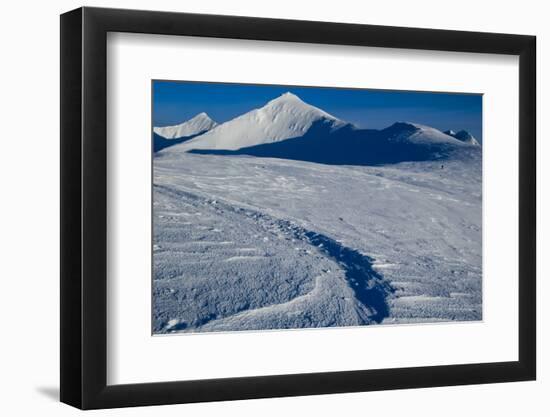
(177, 101)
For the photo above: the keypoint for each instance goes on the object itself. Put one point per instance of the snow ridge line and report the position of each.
(370, 288)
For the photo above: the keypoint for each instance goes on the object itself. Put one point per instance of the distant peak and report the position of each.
(404, 126)
(287, 97)
(202, 115)
(291, 102)
(466, 137)
(197, 124)
(288, 94)
(463, 135)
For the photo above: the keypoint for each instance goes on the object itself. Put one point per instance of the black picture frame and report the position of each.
(84, 207)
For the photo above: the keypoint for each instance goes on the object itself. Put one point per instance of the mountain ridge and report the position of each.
(289, 128)
(282, 118)
(198, 124)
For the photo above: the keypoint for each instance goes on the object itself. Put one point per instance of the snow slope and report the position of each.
(466, 137)
(414, 133)
(198, 124)
(282, 118)
(463, 136)
(351, 146)
(245, 243)
(326, 225)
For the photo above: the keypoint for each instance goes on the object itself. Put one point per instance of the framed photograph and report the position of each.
(258, 208)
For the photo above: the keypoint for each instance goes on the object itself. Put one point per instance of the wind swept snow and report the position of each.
(312, 245)
(285, 287)
(287, 217)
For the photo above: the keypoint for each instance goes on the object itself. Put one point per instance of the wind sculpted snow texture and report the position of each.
(254, 242)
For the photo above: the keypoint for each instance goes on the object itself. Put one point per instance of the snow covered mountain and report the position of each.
(415, 133)
(351, 146)
(289, 128)
(466, 137)
(198, 124)
(384, 227)
(463, 136)
(282, 118)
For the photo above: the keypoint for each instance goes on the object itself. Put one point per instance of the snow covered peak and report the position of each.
(284, 117)
(288, 96)
(418, 134)
(466, 137)
(291, 103)
(463, 136)
(198, 124)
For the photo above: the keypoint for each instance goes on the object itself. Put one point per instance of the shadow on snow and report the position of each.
(368, 285)
(346, 146)
(160, 143)
(370, 288)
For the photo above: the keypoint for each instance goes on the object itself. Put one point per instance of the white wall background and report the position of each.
(29, 237)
